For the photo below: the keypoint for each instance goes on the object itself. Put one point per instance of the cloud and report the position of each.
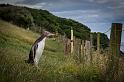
(29, 2)
(99, 1)
(91, 11)
(119, 6)
(116, 7)
(11, 1)
(93, 16)
(78, 15)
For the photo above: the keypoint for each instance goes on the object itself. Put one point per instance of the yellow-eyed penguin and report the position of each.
(37, 48)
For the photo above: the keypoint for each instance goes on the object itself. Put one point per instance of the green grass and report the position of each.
(15, 44)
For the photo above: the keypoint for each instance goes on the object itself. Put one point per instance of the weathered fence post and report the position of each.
(87, 52)
(98, 43)
(91, 48)
(72, 49)
(82, 51)
(115, 40)
(56, 36)
(66, 46)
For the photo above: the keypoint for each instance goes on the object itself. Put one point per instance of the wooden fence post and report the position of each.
(66, 46)
(56, 36)
(72, 49)
(82, 51)
(87, 52)
(98, 43)
(91, 48)
(115, 40)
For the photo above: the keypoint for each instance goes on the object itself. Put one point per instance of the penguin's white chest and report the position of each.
(41, 45)
(39, 50)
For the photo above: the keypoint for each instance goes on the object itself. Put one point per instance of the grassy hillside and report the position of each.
(15, 44)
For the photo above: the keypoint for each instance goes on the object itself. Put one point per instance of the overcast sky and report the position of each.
(96, 14)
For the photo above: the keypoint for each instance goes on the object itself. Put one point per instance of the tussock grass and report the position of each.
(15, 44)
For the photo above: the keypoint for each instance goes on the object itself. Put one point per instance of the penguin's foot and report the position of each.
(26, 61)
(29, 62)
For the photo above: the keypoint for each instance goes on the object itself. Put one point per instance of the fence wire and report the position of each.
(92, 46)
(95, 58)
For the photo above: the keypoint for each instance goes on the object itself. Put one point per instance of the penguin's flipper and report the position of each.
(31, 56)
(35, 48)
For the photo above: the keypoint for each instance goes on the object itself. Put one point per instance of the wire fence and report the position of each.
(78, 43)
(88, 54)
(85, 51)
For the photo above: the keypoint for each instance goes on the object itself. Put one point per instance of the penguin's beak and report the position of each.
(51, 34)
(47, 33)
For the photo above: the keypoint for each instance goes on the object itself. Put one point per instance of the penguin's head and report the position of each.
(47, 34)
